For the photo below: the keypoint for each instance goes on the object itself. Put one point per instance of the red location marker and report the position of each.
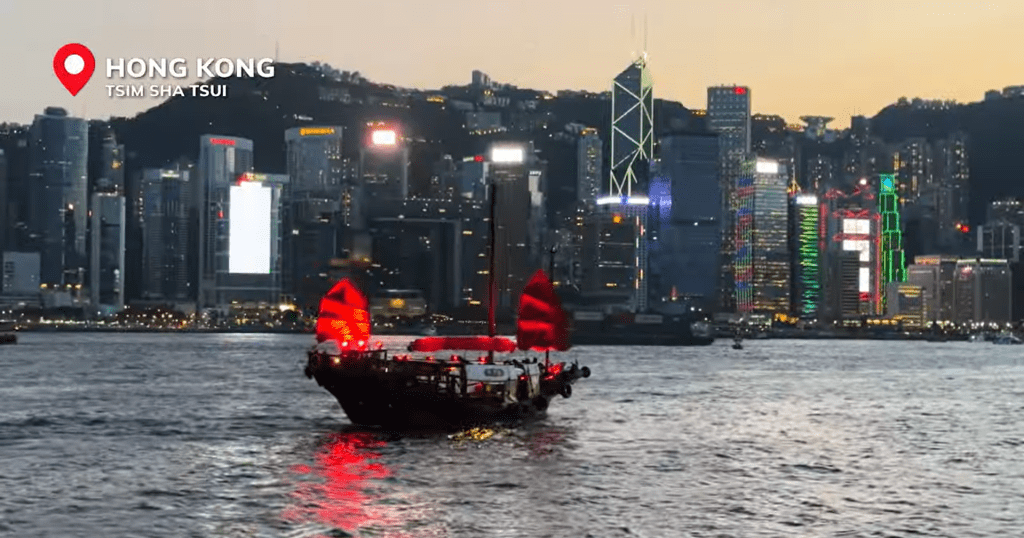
(73, 64)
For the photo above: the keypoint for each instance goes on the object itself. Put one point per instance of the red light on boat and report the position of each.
(478, 158)
(430, 358)
(380, 345)
(482, 360)
(478, 387)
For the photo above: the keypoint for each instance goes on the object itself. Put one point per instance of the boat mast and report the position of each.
(491, 282)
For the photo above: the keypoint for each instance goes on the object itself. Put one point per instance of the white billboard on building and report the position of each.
(249, 230)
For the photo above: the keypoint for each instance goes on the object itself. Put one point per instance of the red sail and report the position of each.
(343, 315)
(468, 343)
(543, 325)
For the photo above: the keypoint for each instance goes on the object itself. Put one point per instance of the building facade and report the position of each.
(58, 200)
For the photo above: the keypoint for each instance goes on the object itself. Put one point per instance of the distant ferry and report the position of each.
(7, 335)
(628, 329)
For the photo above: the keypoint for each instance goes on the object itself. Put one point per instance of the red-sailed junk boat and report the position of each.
(444, 382)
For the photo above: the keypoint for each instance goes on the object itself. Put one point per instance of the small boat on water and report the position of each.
(737, 343)
(440, 383)
(1007, 339)
(7, 334)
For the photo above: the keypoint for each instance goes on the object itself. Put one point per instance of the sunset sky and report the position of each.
(821, 57)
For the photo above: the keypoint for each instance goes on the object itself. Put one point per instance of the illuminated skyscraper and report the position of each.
(806, 262)
(249, 268)
(893, 264)
(728, 114)
(769, 238)
(742, 269)
(851, 222)
(622, 213)
(222, 160)
(632, 129)
(384, 163)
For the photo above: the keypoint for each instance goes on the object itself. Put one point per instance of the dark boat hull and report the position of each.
(382, 392)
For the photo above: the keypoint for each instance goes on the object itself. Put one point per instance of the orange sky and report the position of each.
(820, 57)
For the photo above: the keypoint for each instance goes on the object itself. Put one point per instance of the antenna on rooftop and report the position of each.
(632, 33)
(645, 34)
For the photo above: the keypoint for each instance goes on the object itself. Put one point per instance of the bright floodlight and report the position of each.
(508, 154)
(249, 229)
(767, 167)
(384, 138)
(806, 199)
(623, 200)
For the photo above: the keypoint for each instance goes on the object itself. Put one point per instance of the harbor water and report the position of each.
(127, 435)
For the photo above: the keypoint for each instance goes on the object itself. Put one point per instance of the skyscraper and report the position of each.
(728, 114)
(806, 280)
(589, 159)
(632, 137)
(769, 240)
(167, 202)
(893, 264)
(622, 213)
(851, 222)
(107, 245)
(106, 159)
(222, 161)
(319, 182)
(688, 261)
(58, 152)
(384, 163)
(249, 260)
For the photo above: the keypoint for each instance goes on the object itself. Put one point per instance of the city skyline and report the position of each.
(797, 57)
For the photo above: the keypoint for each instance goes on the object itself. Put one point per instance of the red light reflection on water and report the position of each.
(544, 443)
(339, 495)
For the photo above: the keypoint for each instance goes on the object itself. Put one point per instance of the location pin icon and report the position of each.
(73, 64)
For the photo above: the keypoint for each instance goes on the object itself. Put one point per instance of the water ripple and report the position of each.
(222, 435)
